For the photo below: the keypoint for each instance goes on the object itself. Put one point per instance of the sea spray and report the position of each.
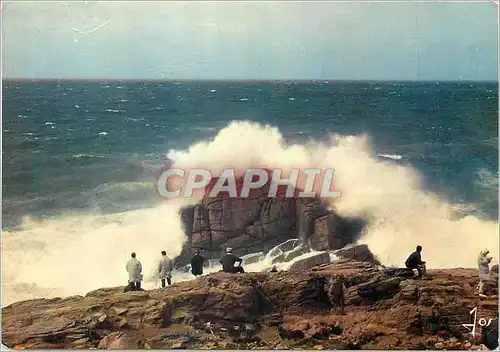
(74, 254)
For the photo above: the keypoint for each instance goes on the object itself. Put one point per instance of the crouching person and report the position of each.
(414, 261)
(228, 262)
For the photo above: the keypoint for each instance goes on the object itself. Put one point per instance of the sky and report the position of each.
(250, 40)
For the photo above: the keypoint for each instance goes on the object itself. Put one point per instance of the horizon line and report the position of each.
(243, 80)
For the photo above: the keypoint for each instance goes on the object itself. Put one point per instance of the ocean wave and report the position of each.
(391, 156)
(158, 108)
(115, 111)
(133, 119)
(50, 252)
(54, 253)
(85, 155)
(124, 196)
(486, 179)
(403, 213)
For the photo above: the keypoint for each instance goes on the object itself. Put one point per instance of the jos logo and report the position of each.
(482, 322)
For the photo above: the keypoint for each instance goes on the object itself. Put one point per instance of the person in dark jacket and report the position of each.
(228, 262)
(197, 264)
(414, 261)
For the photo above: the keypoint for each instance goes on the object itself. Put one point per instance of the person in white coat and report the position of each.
(165, 269)
(483, 263)
(134, 269)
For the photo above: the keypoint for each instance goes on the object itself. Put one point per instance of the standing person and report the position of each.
(197, 264)
(229, 260)
(483, 263)
(134, 269)
(165, 269)
(414, 261)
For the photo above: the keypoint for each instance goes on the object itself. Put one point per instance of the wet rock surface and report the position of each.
(360, 253)
(310, 262)
(342, 305)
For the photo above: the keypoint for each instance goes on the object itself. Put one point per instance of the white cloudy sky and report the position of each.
(250, 40)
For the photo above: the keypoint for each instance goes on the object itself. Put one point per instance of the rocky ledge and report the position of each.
(348, 304)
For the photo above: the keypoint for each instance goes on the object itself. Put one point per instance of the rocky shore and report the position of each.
(353, 303)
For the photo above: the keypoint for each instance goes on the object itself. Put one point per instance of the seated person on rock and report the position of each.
(414, 261)
(228, 261)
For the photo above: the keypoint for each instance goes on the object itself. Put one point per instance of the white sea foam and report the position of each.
(391, 156)
(74, 254)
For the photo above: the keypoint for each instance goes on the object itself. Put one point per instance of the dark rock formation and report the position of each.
(360, 253)
(310, 262)
(490, 335)
(494, 269)
(400, 272)
(377, 288)
(257, 223)
(332, 231)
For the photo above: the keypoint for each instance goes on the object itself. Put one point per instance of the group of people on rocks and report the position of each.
(134, 270)
(227, 261)
(166, 265)
(233, 264)
(415, 261)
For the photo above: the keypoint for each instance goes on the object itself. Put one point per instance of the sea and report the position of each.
(80, 161)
